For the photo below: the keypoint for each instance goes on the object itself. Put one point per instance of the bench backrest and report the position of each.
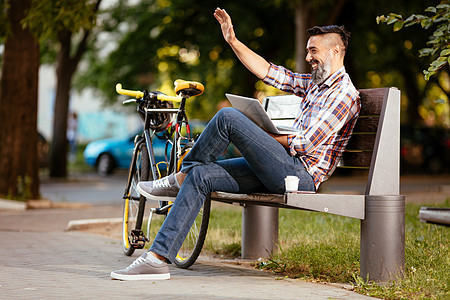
(375, 143)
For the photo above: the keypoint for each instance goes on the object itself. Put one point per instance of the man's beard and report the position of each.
(322, 72)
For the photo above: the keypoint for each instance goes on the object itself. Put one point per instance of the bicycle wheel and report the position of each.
(193, 244)
(134, 203)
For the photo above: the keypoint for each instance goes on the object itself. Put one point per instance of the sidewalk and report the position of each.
(39, 259)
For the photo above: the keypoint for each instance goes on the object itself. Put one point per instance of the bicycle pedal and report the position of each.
(137, 239)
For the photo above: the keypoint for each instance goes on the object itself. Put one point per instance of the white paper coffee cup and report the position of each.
(291, 183)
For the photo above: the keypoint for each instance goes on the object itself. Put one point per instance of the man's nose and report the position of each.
(308, 57)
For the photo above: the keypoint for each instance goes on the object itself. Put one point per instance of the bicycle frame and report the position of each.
(154, 111)
(148, 135)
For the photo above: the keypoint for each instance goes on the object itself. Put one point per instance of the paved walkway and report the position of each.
(39, 259)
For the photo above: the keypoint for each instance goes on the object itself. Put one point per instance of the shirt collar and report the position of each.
(333, 77)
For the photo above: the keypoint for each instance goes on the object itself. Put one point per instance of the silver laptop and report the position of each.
(253, 109)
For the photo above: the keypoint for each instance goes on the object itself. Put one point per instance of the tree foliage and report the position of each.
(439, 42)
(156, 42)
(48, 18)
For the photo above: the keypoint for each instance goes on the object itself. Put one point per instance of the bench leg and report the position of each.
(259, 231)
(383, 238)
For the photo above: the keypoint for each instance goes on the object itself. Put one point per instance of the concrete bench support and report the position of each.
(383, 238)
(259, 231)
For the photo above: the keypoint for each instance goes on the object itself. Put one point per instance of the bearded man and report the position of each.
(328, 109)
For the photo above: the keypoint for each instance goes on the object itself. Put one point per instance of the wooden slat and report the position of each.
(256, 198)
(361, 142)
(356, 159)
(372, 101)
(366, 124)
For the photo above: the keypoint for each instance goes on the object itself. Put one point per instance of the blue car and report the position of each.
(108, 154)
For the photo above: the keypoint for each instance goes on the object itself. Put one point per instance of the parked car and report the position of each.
(108, 154)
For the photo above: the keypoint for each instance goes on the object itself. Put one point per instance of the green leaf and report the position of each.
(426, 23)
(437, 64)
(438, 33)
(410, 18)
(398, 25)
(391, 20)
(445, 52)
(396, 15)
(443, 6)
(426, 51)
(431, 9)
(381, 19)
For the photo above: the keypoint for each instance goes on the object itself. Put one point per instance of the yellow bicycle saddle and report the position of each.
(188, 88)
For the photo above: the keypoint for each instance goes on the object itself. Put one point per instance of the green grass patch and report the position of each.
(76, 162)
(324, 247)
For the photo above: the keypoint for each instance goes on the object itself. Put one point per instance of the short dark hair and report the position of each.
(319, 30)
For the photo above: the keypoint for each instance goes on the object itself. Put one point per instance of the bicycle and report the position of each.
(161, 121)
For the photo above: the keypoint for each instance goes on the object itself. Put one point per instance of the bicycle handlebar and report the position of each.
(139, 94)
(135, 94)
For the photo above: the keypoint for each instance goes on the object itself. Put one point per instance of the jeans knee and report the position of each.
(198, 176)
(228, 113)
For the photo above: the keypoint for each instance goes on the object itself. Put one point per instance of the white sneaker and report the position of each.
(143, 269)
(162, 189)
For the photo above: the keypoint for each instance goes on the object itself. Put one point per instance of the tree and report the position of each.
(439, 42)
(66, 24)
(158, 43)
(378, 58)
(23, 23)
(18, 106)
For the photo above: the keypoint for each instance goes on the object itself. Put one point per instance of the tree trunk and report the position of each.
(301, 15)
(305, 18)
(64, 72)
(67, 65)
(19, 176)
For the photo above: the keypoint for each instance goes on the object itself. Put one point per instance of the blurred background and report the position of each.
(87, 46)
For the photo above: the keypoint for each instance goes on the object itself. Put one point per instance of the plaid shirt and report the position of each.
(327, 115)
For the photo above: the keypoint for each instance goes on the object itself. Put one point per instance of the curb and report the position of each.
(13, 205)
(85, 224)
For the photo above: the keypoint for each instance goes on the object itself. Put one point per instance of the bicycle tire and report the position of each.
(193, 244)
(134, 203)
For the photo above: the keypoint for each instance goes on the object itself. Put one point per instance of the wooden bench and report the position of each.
(374, 145)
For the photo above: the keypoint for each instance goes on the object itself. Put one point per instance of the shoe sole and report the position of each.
(153, 197)
(117, 276)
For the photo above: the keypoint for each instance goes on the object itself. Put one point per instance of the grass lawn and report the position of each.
(324, 247)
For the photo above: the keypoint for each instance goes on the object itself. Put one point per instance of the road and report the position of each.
(97, 190)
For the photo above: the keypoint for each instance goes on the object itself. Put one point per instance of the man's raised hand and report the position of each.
(225, 24)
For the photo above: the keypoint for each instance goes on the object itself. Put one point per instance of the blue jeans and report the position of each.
(263, 167)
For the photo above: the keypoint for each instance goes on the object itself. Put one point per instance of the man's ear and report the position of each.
(336, 49)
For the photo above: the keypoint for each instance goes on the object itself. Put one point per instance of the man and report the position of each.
(329, 108)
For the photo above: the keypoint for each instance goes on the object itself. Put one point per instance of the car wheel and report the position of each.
(105, 164)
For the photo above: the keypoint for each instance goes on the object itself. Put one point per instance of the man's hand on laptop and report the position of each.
(281, 138)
